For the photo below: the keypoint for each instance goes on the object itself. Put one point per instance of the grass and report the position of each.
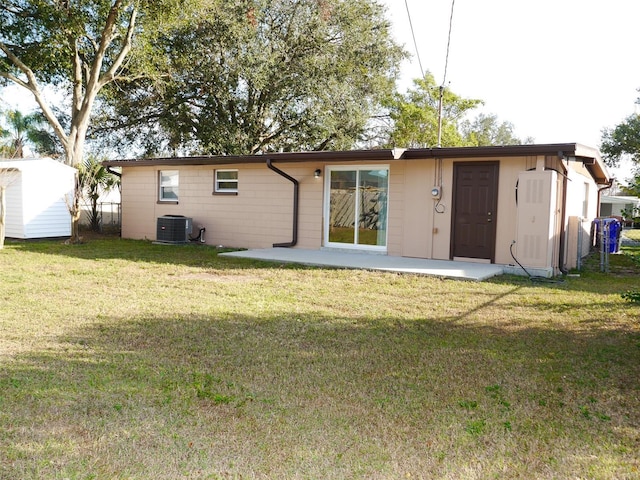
(633, 234)
(127, 360)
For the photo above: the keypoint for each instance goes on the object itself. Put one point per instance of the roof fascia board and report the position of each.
(492, 151)
(589, 156)
(286, 157)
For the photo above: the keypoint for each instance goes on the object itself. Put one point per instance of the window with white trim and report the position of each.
(168, 185)
(225, 181)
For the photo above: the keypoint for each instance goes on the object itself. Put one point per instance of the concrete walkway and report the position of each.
(366, 261)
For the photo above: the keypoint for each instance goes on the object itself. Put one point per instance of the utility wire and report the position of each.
(415, 45)
(444, 79)
(446, 60)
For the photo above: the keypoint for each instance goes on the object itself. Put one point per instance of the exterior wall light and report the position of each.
(317, 173)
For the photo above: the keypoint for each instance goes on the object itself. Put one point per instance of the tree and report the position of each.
(95, 179)
(80, 47)
(633, 186)
(622, 140)
(415, 115)
(256, 76)
(415, 120)
(26, 130)
(19, 126)
(91, 179)
(486, 130)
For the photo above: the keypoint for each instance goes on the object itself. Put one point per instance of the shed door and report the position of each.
(474, 210)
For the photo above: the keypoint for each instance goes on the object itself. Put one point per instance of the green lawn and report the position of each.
(127, 360)
(633, 234)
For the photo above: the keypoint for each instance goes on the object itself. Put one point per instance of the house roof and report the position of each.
(619, 200)
(590, 157)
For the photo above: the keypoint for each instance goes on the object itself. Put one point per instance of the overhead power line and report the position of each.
(415, 44)
(444, 78)
(446, 62)
(446, 59)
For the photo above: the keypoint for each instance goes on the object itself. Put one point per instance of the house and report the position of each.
(36, 198)
(626, 207)
(526, 204)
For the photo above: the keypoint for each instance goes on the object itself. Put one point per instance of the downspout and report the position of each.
(563, 213)
(600, 190)
(113, 172)
(296, 186)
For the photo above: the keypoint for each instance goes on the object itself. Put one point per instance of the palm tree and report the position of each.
(94, 179)
(26, 130)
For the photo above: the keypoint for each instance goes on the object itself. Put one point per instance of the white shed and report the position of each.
(36, 205)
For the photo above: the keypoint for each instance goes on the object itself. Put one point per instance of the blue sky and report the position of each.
(559, 70)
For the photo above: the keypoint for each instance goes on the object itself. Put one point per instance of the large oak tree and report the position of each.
(252, 76)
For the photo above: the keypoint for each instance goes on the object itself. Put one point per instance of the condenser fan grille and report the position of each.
(173, 229)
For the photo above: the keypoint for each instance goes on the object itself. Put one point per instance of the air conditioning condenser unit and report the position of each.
(174, 229)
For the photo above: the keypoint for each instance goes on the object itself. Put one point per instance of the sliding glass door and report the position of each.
(356, 214)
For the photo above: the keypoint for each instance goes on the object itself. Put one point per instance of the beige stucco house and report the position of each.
(531, 204)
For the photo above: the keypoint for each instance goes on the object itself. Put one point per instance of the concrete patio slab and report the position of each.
(366, 261)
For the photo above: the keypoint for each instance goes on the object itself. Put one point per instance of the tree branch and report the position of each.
(32, 85)
(110, 74)
(77, 77)
(105, 40)
(14, 79)
(324, 143)
(265, 139)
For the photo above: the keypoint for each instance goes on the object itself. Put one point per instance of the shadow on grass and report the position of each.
(193, 254)
(321, 397)
(115, 248)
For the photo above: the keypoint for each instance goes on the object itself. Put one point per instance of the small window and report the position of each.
(168, 186)
(226, 181)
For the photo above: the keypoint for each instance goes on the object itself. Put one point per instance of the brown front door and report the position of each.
(475, 200)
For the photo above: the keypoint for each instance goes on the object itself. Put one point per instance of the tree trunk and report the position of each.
(75, 227)
(76, 138)
(73, 205)
(95, 217)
